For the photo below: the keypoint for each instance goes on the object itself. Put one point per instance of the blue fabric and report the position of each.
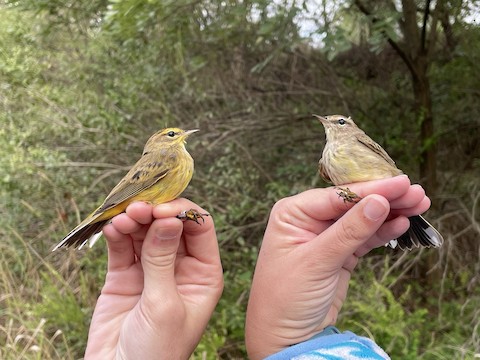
(332, 345)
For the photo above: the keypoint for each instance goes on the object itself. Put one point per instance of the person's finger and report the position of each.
(414, 196)
(141, 212)
(341, 240)
(120, 249)
(125, 224)
(159, 252)
(135, 222)
(390, 230)
(138, 237)
(200, 240)
(418, 209)
(391, 189)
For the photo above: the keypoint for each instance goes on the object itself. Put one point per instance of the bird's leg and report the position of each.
(348, 195)
(193, 215)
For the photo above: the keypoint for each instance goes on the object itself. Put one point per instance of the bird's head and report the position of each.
(167, 137)
(337, 125)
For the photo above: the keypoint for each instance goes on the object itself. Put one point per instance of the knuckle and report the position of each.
(280, 205)
(279, 209)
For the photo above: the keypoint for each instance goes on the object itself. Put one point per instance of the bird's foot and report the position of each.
(193, 215)
(348, 195)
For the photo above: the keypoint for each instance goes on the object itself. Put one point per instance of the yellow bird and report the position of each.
(352, 156)
(160, 175)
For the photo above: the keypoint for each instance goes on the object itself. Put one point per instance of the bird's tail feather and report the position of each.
(79, 236)
(420, 234)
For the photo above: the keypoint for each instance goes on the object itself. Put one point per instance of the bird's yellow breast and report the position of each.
(347, 166)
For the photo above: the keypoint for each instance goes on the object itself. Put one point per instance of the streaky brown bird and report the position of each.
(351, 156)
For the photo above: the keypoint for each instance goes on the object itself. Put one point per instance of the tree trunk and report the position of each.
(428, 163)
(428, 147)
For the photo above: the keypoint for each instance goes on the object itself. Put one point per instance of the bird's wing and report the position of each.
(145, 173)
(372, 145)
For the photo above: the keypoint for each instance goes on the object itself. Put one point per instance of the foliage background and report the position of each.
(84, 83)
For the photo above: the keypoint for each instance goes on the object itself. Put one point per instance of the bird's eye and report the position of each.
(171, 133)
(342, 121)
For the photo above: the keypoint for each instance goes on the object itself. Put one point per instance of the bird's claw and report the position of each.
(348, 195)
(193, 215)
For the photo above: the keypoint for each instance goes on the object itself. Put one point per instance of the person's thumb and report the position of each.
(159, 252)
(353, 229)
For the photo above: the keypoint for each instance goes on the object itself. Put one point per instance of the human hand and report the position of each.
(311, 246)
(164, 280)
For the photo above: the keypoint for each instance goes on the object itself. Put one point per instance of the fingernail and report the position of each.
(374, 209)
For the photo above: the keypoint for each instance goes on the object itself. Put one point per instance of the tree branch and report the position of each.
(448, 31)
(410, 30)
(437, 14)
(401, 52)
(424, 27)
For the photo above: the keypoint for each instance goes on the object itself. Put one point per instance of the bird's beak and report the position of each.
(321, 118)
(189, 132)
